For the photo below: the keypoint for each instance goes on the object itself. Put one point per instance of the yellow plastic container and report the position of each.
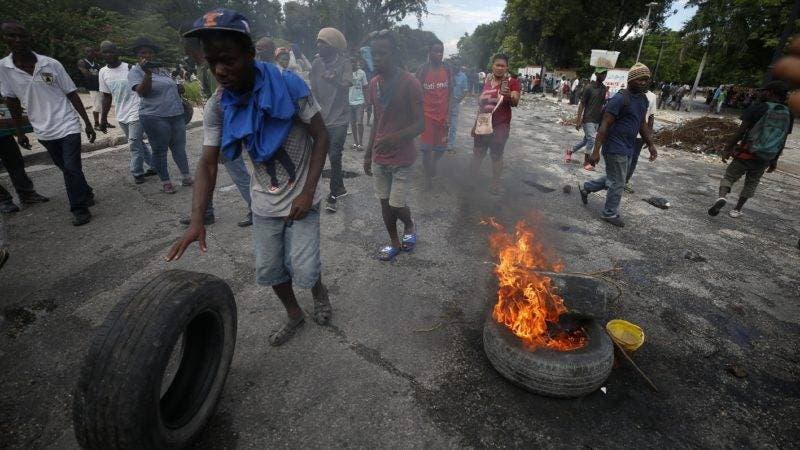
(626, 334)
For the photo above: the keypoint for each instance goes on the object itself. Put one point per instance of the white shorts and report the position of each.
(97, 101)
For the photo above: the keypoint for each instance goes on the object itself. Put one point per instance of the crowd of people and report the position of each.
(289, 115)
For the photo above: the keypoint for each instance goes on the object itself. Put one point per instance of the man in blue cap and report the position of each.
(272, 115)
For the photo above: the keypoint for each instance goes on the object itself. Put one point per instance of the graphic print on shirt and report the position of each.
(47, 77)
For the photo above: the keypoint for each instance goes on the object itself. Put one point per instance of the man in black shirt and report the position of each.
(590, 114)
(90, 68)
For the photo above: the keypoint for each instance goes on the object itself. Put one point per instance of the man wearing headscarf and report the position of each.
(623, 119)
(331, 78)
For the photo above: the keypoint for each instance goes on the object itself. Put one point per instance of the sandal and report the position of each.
(322, 308)
(388, 253)
(288, 329)
(409, 242)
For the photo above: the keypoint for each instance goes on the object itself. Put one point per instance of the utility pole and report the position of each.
(658, 61)
(697, 78)
(787, 30)
(644, 30)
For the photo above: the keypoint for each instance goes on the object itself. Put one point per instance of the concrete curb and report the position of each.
(41, 156)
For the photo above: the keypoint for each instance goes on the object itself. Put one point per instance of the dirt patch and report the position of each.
(701, 135)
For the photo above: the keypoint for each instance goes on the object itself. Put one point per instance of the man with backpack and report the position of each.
(756, 146)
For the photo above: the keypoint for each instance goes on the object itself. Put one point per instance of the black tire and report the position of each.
(549, 372)
(120, 402)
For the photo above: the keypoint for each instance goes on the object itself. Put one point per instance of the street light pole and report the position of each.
(644, 31)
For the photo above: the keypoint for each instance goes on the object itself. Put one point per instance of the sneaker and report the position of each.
(168, 188)
(187, 181)
(628, 188)
(138, 179)
(735, 213)
(91, 201)
(81, 217)
(584, 194)
(616, 221)
(338, 196)
(150, 172)
(248, 220)
(8, 207)
(330, 203)
(360, 148)
(717, 206)
(207, 220)
(33, 197)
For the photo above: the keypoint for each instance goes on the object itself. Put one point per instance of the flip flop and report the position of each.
(409, 242)
(388, 253)
(285, 333)
(322, 308)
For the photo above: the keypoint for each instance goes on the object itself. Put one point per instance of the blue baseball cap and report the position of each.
(220, 19)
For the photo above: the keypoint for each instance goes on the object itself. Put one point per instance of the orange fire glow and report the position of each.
(526, 301)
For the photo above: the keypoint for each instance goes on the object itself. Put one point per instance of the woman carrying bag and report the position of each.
(500, 92)
(161, 112)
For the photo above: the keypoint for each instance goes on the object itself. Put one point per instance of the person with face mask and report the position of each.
(623, 119)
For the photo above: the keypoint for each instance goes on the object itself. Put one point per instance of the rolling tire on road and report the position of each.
(182, 324)
(549, 372)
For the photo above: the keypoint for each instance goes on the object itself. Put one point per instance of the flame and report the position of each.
(526, 301)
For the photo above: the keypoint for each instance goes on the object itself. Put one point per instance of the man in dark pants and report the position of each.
(44, 88)
(331, 78)
(765, 126)
(15, 165)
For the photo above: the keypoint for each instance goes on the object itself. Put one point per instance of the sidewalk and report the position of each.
(38, 154)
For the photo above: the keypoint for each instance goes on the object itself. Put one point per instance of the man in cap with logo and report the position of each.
(623, 119)
(41, 85)
(331, 78)
(285, 196)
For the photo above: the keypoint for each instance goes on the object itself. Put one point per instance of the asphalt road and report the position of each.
(403, 364)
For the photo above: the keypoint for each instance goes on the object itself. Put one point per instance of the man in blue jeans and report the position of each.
(623, 118)
(590, 113)
(42, 86)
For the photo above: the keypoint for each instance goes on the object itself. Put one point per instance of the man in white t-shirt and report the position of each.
(42, 86)
(650, 117)
(113, 79)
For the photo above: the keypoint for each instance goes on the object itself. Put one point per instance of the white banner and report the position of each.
(616, 79)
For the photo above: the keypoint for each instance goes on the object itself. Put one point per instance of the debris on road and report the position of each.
(695, 257)
(737, 371)
(567, 188)
(701, 135)
(658, 202)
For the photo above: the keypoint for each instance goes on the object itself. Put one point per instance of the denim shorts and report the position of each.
(287, 251)
(392, 183)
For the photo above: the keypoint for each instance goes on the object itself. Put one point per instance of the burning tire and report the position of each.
(157, 366)
(549, 372)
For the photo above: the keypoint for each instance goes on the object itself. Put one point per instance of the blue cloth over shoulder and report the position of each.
(262, 118)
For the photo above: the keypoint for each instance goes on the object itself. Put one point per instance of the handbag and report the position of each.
(483, 123)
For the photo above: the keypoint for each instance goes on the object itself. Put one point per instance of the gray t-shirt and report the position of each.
(163, 99)
(272, 202)
(331, 87)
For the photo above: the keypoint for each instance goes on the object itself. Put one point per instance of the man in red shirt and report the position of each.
(397, 98)
(437, 83)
